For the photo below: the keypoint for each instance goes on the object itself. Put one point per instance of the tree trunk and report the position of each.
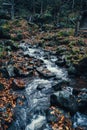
(34, 7)
(12, 10)
(77, 28)
(41, 11)
(73, 5)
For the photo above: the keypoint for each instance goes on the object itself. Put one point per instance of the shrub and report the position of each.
(4, 33)
(4, 15)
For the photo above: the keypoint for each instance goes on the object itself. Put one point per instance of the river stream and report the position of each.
(32, 114)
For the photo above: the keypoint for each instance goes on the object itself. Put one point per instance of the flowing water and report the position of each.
(32, 115)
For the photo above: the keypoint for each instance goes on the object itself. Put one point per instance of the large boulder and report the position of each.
(18, 84)
(7, 71)
(20, 73)
(82, 66)
(82, 101)
(45, 73)
(72, 70)
(64, 99)
(57, 86)
(72, 100)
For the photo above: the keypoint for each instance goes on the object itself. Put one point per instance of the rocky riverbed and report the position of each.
(38, 92)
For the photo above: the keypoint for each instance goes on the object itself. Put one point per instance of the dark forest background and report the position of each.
(57, 11)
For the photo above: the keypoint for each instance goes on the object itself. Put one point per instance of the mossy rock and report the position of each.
(61, 49)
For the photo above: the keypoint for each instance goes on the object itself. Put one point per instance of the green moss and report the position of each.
(63, 33)
(80, 42)
(66, 33)
(75, 51)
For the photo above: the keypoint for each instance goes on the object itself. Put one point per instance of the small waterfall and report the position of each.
(50, 64)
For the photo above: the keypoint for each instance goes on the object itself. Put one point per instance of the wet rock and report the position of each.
(72, 70)
(82, 66)
(21, 73)
(76, 91)
(45, 73)
(40, 87)
(1, 87)
(4, 72)
(80, 120)
(81, 97)
(82, 101)
(10, 70)
(65, 99)
(7, 71)
(31, 67)
(59, 85)
(61, 62)
(12, 44)
(18, 84)
(26, 54)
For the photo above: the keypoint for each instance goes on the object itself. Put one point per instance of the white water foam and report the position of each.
(60, 73)
(36, 123)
